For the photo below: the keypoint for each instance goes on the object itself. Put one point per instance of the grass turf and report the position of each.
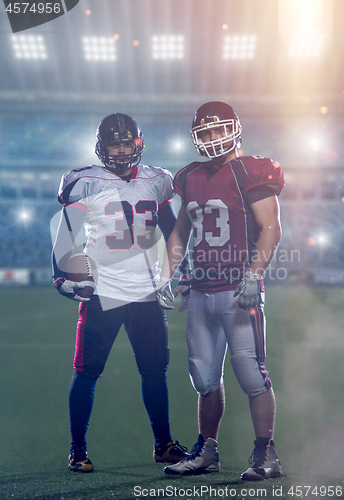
(305, 349)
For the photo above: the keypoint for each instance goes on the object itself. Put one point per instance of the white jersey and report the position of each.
(120, 226)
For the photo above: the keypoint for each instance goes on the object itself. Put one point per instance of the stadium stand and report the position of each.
(312, 213)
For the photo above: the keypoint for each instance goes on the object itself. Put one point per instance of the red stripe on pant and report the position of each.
(79, 345)
(257, 319)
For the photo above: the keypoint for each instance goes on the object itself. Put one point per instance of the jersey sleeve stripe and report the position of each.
(80, 206)
(164, 204)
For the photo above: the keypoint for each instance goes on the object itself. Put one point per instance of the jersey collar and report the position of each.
(134, 173)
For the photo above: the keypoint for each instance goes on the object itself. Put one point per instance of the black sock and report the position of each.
(262, 441)
(155, 397)
(81, 395)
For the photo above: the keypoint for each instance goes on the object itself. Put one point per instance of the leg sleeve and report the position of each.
(81, 396)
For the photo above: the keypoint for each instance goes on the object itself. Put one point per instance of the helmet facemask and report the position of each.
(123, 161)
(231, 137)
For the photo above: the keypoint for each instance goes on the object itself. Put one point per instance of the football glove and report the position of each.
(163, 293)
(249, 290)
(183, 288)
(67, 288)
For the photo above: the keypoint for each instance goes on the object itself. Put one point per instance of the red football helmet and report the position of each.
(218, 115)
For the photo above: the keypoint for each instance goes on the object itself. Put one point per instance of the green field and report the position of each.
(305, 351)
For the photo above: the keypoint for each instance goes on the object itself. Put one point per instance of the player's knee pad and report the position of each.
(204, 383)
(251, 375)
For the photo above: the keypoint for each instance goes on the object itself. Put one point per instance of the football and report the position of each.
(80, 267)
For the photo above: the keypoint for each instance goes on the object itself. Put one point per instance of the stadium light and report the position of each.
(302, 16)
(315, 143)
(28, 46)
(24, 216)
(177, 145)
(304, 26)
(322, 239)
(99, 48)
(168, 47)
(305, 45)
(239, 47)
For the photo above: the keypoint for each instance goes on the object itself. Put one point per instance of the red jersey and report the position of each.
(225, 233)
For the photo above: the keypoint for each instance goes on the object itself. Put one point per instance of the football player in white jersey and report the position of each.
(119, 204)
(230, 205)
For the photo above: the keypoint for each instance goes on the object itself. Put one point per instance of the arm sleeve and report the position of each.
(166, 221)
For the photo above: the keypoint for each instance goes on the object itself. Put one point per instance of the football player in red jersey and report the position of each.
(229, 204)
(119, 203)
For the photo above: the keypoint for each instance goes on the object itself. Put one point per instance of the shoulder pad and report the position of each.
(263, 171)
(70, 179)
(152, 171)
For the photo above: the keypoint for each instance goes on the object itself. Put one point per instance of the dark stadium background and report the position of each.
(292, 110)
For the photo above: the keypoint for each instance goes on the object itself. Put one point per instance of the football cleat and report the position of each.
(264, 463)
(204, 458)
(173, 453)
(79, 461)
